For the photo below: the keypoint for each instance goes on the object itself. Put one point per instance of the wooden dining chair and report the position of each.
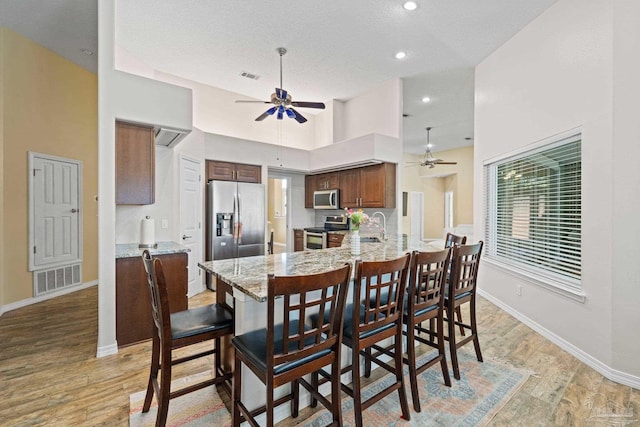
(284, 352)
(178, 330)
(450, 241)
(425, 301)
(374, 317)
(465, 260)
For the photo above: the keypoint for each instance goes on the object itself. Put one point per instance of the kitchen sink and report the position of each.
(369, 239)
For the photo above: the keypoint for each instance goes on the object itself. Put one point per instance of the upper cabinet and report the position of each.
(135, 164)
(226, 171)
(369, 187)
(327, 181)
(366, 187)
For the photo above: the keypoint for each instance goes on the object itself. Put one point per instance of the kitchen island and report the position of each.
(241, 285)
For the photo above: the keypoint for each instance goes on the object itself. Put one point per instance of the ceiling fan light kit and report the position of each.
(283, 105)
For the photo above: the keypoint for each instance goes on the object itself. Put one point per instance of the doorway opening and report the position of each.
(278, 213)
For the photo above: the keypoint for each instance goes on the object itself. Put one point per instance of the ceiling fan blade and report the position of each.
(447, 163)
(290, 113)
(308, 104)
(246, 101)
(299, 117)
(266, 114)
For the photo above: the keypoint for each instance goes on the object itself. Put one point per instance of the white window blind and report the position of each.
(533, 210)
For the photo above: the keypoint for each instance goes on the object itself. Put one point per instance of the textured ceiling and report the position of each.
(336, 49)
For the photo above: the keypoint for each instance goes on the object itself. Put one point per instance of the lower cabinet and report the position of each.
(298, 240)
(334, 240)
(133, 306)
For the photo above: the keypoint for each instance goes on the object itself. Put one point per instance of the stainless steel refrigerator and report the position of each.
(236, 219)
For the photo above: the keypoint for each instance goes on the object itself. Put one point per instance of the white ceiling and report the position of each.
(336, 49)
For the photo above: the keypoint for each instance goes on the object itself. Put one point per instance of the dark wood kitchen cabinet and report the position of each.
(369, 187)
(298, 240)
(133, 306)
(135, 164)
(227, 171)
(327, 181)
(334, 240)
(309, 188)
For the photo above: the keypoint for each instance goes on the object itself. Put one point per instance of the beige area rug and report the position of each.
(484, 389)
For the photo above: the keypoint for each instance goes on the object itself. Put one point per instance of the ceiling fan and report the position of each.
(282, 103)
(428, 159)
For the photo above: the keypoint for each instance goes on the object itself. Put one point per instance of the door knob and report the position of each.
(185, 237)
(74, 210)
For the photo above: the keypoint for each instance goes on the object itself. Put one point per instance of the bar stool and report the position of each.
(177, 330)
(450, 241)
(366, 325)
(284, 352)
(462, 289)
(425, 301)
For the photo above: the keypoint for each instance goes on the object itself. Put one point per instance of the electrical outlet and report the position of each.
(519, 290)
(164, 223)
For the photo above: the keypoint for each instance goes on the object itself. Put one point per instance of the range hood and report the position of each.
(169, 137)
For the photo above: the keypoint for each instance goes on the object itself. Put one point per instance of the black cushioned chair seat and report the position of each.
(253, 344)
(347, 331)
(462, 295)
(199, 320)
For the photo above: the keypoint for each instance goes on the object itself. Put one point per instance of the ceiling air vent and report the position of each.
(249, 75)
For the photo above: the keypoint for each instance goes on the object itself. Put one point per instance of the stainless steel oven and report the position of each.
(315, 240)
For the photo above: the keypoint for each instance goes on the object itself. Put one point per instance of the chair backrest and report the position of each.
(464, 269)
(381, 285)
(453, 239)
(324, 294)
(270, 243)
(427, 279)
(158, 295)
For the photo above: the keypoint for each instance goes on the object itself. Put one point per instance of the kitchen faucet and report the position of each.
(384, 224)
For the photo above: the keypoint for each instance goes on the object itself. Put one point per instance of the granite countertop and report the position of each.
(249, 275)
(130, 250)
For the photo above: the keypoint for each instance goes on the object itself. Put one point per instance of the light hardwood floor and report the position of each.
(49, 374)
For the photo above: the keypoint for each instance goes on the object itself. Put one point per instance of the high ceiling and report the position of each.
(336, 49)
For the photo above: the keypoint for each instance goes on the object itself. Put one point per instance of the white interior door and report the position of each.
(191, 220)
(56, 222)
(417, 215)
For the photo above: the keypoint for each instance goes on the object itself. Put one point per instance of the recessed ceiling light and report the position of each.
(400, 55)
(426, 99)
(410, 5)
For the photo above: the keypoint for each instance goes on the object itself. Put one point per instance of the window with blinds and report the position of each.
(533, 210)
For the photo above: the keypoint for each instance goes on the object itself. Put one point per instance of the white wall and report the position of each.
(378, 110)
(626, 182)
(557, 74)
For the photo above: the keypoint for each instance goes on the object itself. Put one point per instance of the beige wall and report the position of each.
(49, 106)
(457, 178)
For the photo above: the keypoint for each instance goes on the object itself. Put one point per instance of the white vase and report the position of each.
(355, 242)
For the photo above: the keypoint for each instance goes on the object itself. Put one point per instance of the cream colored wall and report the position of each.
(459, 179)
(2, 216)
(53, 110)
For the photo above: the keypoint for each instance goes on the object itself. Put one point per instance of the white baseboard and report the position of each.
(107, 350)
(26, 302)
(607, 371)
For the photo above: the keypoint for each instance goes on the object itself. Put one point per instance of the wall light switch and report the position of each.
(164, 223)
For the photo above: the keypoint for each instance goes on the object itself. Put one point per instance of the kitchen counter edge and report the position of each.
(131, 250)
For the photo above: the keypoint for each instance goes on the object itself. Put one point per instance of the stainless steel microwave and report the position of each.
(326, 199)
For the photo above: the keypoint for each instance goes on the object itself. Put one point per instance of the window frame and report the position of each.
(558, 283)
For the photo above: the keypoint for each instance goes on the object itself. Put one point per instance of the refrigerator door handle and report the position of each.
(235, 221)
(239, 221)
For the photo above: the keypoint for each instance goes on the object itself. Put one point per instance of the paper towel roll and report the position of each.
(147, 233)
